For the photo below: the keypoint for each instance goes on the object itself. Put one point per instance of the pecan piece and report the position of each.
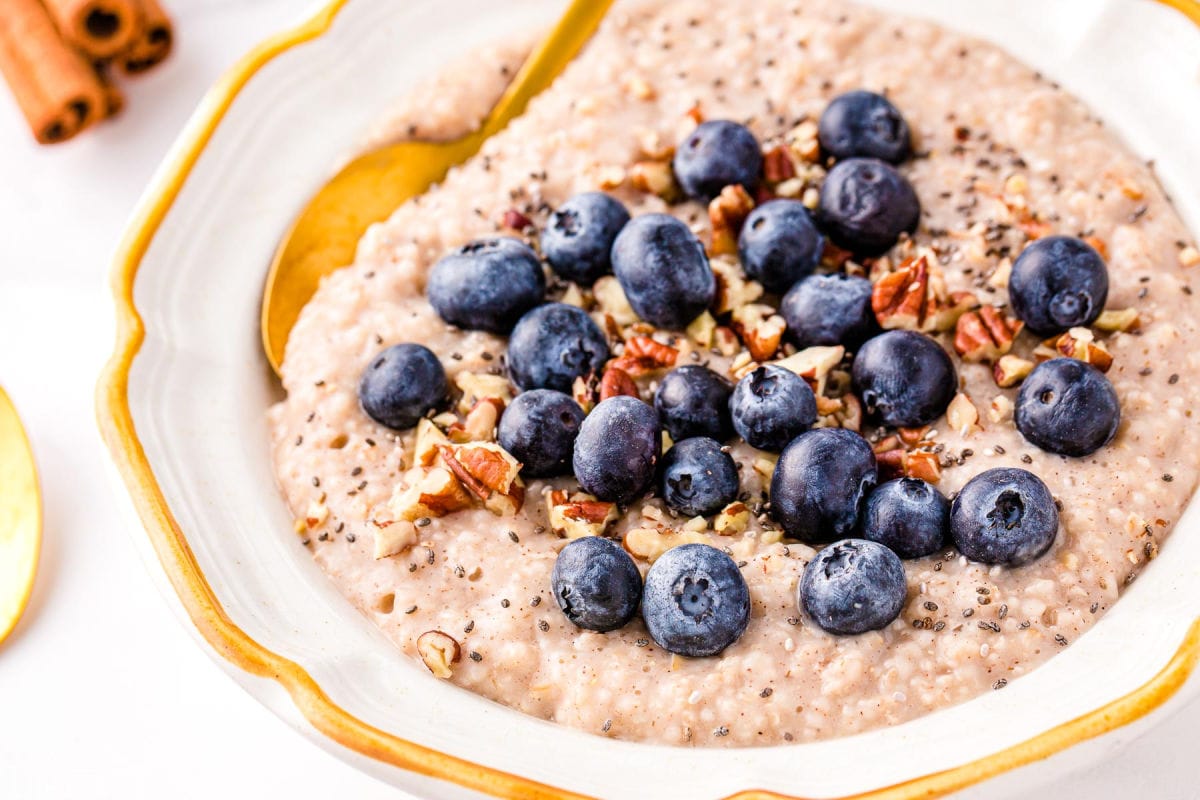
(438, 651)
(777, 164)
(760, 329)
(734, 518)
(914, 297)
(644, 355)
(436, 492)
(726, 213)
(734, 289)
(656, 178)
(483, 467)
(1112, 320)
(1081, 343)
(1010, 370)
(962, 415)
(985, 334)
(586, 391)
(616, 382)
(579, 515)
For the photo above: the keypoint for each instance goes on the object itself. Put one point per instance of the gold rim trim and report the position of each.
(214, 624)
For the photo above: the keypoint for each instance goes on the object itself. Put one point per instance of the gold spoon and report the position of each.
(324, 237)
(20, 518)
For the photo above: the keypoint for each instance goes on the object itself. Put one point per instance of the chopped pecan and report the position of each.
(586, 391)
(725, 341)
(505, 505)
(578, 515)
(702, 330)
(435, 492)
(962, 416)
(734, 289)
(480, 422)
(914, 297)
(924, 465)
(394, 537)
(615, 382)
(1010, 370)
(478, 386)
(610, 298)
(834, 257)
(649, 544)
(438, 651)
(643, 355)
(726, 213)
(1001, 409)
(912, 437)
(814, 364)
(734, 518)
(429, 439)
(483, 467)
(985, 334)
(1189, 256)
(777, 164)
(1113, 320)
(803, 142)
(656, 178)
(760, 329)
(1081, 343)
(316, 514)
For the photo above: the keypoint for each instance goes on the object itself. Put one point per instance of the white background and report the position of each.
(102, 692)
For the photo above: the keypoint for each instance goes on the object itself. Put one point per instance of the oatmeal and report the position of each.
(453, 561)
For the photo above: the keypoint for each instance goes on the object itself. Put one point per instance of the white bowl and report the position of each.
(182, 408)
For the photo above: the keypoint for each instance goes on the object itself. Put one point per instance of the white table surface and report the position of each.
(103, 693)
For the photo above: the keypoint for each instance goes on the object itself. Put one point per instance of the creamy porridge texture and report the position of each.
(1003, 156)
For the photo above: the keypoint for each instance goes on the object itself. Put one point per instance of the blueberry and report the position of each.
(401, 385)
(820, 483)
(486, 285)
(1058, 282)
(662, 267)
(694, 401)
(596, 584)
(617, 449)
(698, 478)
(907, 515)
(779, 244)
(771, 406)
(579, 236)
(853, 586)
(905, 379)
(865, 205)
(828, 310)
(1067, 407)
(1004, 516)
(696, 602)
(553, 345)
(862, 123)
(539, 429)
(717, 154)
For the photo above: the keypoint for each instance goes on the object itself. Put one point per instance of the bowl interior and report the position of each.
(199, 388)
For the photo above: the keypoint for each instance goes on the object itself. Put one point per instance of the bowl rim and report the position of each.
(204, 608)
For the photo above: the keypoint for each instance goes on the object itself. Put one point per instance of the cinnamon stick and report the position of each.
(98, 28)
(153, 42)
(57, 89)
(114, 98)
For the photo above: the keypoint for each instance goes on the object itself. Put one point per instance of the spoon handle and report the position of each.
(547, 61)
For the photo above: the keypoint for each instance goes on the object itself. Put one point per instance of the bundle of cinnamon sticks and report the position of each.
(59, 57)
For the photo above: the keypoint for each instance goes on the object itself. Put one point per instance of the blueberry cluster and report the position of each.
(825, 489)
